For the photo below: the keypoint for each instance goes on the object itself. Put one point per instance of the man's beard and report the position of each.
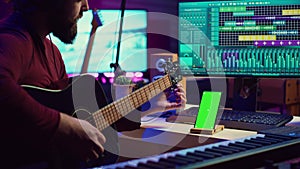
(66, 32)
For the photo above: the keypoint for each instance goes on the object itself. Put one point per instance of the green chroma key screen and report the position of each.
(208, 110)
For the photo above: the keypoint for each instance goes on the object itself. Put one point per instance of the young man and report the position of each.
(32, 132)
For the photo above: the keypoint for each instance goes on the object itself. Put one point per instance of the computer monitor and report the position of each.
(239, 38)
(133, 46)
(244, 39)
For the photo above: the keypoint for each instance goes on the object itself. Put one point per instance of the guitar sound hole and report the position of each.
(84, 115)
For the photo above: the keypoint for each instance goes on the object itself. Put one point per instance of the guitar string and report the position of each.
(105, 111)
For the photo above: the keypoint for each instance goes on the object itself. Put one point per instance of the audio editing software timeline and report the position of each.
(240, 38)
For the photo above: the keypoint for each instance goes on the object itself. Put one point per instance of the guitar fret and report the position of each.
(137, 99)
(140, 97)
(130, 106)
(164, 84)
(148, 94)
(160, 86)
(153, 91)
(109, 115)
(134, 100)
(157, 86)
(98, 121)
(125, 108)
(143, 96)
(153, 88)
(118, 107)
(113, 111)
(109, 109)
(105, 117)
(127, 105)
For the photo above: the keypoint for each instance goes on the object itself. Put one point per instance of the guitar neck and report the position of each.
(118, 109)
(88, 53)
(96, 22)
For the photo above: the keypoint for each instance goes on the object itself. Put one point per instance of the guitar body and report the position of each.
(84, 98)
(80, 99)
(83, 94)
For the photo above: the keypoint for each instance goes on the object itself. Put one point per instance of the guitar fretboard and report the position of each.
(118, 109)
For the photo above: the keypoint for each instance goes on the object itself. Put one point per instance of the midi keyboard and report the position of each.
(248, 152)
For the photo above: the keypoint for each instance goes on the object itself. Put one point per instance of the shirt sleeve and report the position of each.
(25, 118)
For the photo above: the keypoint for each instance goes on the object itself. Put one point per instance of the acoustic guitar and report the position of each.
(84, 98)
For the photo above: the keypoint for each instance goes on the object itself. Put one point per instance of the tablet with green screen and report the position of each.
(208, 110)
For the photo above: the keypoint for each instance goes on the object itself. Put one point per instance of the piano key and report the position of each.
(205, 155)
(279, 137)
(253, 144)
(128, 167)
(189, 160)
(226, 150)
(210, 151)
(196, 159)
(175, 161)
(194, 155)
(236, 147)
(240, 144)
(263, 142)
(168, 164)
(233, 149)
(157, 164)
(150, 166)
(271, 140)
(143, 166)
(218, 151)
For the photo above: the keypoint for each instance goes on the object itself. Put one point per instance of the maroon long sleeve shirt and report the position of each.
(26, 126)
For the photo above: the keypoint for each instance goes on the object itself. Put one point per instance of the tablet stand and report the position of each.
(217, 129)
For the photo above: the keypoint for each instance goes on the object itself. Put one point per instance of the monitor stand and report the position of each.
(244, 94)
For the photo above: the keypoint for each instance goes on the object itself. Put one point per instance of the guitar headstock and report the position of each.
(173, 70)
(96, 22)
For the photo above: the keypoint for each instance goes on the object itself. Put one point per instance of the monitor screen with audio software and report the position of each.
(247, 38)
(133, 45)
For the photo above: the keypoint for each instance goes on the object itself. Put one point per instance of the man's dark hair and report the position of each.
(29, 6)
